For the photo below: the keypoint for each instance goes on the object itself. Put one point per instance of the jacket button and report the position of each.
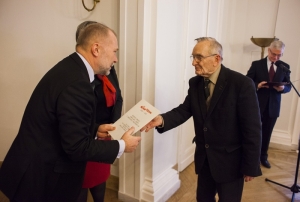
(204, 129)
(206, 146)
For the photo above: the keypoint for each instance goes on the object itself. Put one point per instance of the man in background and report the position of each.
(263, 72)
(47, 159)
(225, 111)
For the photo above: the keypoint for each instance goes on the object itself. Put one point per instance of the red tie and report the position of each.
(271, 72)
(109, 90)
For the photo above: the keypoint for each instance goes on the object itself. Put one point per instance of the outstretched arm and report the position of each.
(157, 121)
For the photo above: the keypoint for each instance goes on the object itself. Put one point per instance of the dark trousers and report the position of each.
(59, 188)
(268, 124)
(207, 187)
(98, 193)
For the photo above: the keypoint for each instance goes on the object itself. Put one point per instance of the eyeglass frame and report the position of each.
(274, 54)
(200, 57)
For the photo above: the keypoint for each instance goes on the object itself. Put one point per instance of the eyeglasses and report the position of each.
(275, 55)
(199, 58)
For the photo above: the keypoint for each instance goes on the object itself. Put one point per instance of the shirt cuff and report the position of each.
(163, 123)
(122, 148)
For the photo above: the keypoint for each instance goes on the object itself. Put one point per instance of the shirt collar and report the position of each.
(269, 63)
(214, 77)
(88, 68)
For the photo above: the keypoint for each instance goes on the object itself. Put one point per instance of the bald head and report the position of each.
(92, 32)
(81, 27)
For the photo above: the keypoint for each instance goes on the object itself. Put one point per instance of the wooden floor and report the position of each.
(282, 171)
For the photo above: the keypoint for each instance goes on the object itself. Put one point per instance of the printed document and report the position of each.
(138, 116)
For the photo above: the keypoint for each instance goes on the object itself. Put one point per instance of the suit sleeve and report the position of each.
(75, 111)
(177, 116)
(250, 124)
(287, 88)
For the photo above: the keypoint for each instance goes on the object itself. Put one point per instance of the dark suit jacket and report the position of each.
(47, 159)
(269, 97)
(229, 133)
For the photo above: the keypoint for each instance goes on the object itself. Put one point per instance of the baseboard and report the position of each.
(124, 197)
(283, 147)
(113, 183)
(162, 187)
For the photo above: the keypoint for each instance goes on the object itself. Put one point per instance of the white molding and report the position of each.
(129, 163)
(162, 187)
(189, 158)
(281, 137)
(125, 197)
(114, 170)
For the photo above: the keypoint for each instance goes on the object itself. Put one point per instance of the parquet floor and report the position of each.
(282, 171)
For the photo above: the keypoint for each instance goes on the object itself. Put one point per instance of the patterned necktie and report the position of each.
(271, 72)
(93, 84)
(206, 88)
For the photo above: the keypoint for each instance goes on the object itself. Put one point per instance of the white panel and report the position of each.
(168, 79)
(214, 20)
(128, 163)
(288, 30)
(195, 26)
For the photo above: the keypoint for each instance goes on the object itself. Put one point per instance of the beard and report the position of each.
(104, 71)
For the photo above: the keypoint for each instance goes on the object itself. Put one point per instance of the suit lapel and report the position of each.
(265, 70)
(277, 75)
(199, 88)
(219, 88)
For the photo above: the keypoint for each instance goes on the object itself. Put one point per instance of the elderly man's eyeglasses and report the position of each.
(199, 58)
(275, 55)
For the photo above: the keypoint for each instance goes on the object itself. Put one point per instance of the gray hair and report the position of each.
(81, 26)
(215, 46)
(278, 45)
(91, 33)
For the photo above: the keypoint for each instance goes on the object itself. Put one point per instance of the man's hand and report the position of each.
(157, 121)
(279, 88)
(262, 85)
(248, 178)
(131, 142)
(103, 129)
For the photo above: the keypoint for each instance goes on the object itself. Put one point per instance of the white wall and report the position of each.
(288, 30)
